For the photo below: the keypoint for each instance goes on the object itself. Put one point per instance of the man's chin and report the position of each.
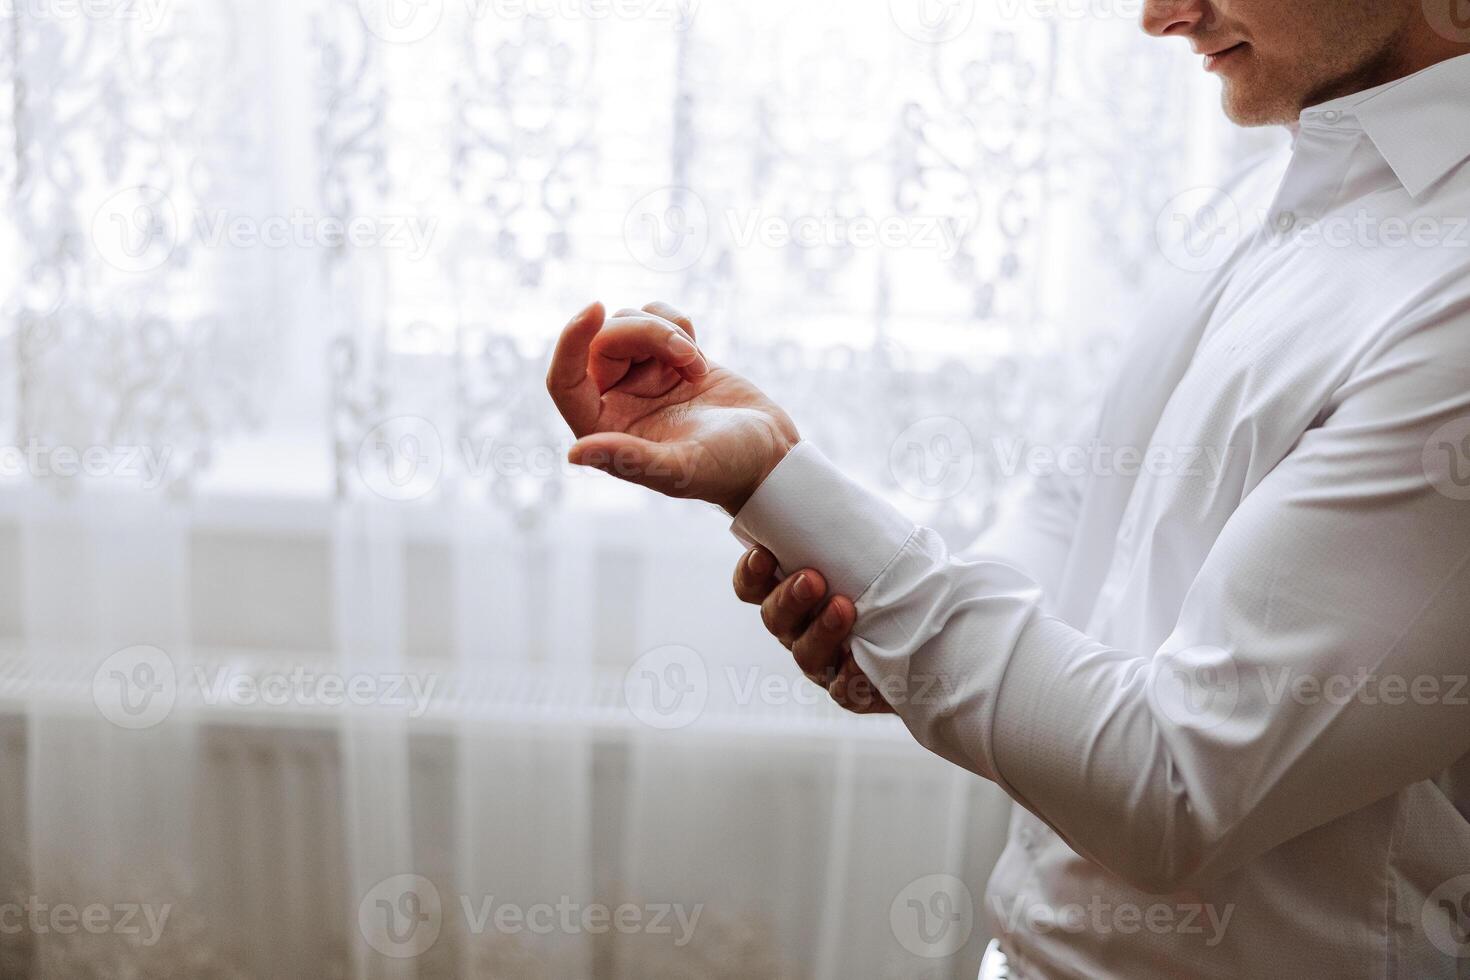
(1247, 108)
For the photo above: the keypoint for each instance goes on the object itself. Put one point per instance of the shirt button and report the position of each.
(1286, 220)
(1331, 116)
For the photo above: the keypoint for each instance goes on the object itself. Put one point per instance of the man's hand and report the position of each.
(813, 626)
(647, 407)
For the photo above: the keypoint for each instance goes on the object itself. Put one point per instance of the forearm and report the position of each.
(1101, 743)
(1070, 728)
(947, 643)
(982, 677)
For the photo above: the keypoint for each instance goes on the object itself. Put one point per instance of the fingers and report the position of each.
(788, 607)
(853, 690)
(755, 576)
(574, 392)
(819, 650)
(664, 467)
(624, 340)
(660, 308)
(814, 631)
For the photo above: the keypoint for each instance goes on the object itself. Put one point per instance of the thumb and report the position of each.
(668, 468)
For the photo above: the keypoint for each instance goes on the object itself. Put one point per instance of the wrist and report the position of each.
(782, 438)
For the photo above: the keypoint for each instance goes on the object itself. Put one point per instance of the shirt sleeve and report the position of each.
(1316, 666)
(1034, 531)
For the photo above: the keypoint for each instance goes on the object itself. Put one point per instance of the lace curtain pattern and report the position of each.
(852, 203)
(752, 191)
(283, 279)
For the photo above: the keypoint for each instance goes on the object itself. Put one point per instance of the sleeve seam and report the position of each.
(887, 565)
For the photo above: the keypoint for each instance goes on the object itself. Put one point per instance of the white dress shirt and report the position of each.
(1223, 671)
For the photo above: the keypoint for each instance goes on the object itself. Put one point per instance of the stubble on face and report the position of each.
(1305, 52)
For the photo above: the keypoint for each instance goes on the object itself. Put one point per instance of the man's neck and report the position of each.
(1409, 55)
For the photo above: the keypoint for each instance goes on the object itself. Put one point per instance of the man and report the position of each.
(1232, 707)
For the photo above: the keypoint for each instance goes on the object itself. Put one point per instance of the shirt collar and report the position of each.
(1420, 124)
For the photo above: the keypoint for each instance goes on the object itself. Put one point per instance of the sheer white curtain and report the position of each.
(317, 653)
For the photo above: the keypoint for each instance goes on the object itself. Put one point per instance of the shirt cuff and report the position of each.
(809, 515)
